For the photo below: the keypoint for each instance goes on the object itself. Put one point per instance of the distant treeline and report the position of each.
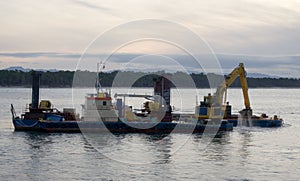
(87, 79)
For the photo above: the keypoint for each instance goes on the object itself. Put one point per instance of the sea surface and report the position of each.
(243, 154)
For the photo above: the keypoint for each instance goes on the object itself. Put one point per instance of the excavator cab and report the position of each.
(203, 111)
(206, 109)
(207, 100)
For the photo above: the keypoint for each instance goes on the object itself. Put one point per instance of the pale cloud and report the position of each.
(91, 5)
(62, 29)
(230, 26)
(281, 66)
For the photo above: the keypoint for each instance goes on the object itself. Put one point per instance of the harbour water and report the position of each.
(243, 154)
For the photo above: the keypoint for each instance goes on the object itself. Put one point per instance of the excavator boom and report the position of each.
(237, 72)
(215, 107)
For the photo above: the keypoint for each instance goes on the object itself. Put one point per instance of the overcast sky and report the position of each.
(53, 34)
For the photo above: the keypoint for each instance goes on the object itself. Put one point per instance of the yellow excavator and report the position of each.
(214, 106)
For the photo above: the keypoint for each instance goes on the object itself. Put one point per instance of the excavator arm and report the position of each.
(215, 107)
(237, 72)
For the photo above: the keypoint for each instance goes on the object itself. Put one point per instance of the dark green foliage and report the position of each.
(57, 79)
(270, 82)
(87, 79)
(14, 78)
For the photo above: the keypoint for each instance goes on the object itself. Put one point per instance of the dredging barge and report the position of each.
(101, 116)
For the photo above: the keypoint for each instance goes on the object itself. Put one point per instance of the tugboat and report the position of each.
(100, 115)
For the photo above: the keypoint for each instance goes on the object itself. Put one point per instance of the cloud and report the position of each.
(286, 66)
(91, 6)
(40, 54)
(231, 26)
(264, 34)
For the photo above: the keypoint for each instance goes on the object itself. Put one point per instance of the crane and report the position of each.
(214, 106)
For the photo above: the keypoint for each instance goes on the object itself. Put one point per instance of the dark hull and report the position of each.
(264, 123)
(116, 127)
(255, 121)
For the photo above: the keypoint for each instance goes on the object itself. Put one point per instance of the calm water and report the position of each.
(245, 153)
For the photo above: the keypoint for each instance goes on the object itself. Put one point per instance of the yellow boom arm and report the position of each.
(237, 72)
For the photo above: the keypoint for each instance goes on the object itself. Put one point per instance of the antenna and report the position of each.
(98, 86)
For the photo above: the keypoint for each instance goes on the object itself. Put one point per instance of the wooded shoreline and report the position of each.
(65, 79)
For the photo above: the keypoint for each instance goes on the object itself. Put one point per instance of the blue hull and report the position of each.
(259, 123)
(116, 127)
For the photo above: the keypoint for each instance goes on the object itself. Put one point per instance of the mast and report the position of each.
(98, 84)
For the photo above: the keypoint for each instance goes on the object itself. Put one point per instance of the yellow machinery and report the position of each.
(45, 104)
(215, 107)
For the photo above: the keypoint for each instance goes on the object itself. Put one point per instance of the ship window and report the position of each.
(104, 103)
